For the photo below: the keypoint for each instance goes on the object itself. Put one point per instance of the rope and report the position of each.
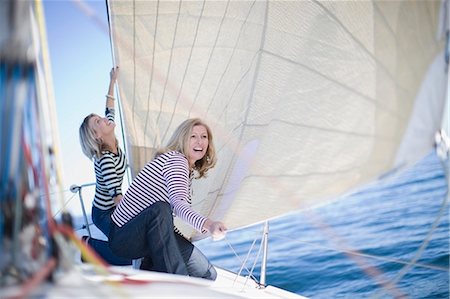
(254, 263)
(240, 260)
(62, 209)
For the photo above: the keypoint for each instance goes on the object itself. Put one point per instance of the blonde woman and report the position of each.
(143, 219)
(99, 144)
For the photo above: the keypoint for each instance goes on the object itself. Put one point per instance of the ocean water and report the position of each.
(363, 245)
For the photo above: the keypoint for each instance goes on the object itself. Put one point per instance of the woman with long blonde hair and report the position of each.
(99, 143)
(144, 217)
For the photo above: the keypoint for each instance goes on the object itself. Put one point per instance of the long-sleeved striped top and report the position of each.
(109, 172)
(166, 178)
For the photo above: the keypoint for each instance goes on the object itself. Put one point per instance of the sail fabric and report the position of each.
(306, 99)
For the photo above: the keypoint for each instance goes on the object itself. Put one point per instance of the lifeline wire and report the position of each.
(240, 260)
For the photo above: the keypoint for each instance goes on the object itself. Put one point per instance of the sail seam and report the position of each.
(391, 30)
(209, 58)
(357, 41)
(168, 72)
(255, 75)
(151, 81)
(381, 137)
(368, 98)
(219, 83)
(185, 70)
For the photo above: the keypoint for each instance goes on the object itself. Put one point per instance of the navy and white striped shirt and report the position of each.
(109, 172)
(166, 178)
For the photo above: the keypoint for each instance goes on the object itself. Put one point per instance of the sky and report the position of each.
(81, 59)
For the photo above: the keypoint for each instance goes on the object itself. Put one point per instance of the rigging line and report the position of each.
(358, 42)
(239, 258)
(64, 205)
(84, 226)
(351, 252)
(53, 193)
(169, 66)
(108, 30)
(186, 69)
(241, 30)
(119, 100)
(151, 82)
(254, 263)
(209, 58)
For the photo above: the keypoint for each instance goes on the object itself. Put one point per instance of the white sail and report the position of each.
(306, 99)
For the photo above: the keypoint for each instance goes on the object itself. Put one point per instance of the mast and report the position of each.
(265, 241)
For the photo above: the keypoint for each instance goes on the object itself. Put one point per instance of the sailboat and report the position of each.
(307, 100)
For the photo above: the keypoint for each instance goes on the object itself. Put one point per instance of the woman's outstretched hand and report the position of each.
(216, 228)
(114, 73)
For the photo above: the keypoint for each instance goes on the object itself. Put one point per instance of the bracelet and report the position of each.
(110, 97)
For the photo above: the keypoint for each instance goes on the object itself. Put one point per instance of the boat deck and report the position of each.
(85, 281)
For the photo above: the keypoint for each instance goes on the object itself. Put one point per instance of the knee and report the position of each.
(211, 274)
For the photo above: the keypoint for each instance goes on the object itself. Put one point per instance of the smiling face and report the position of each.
(101, 126)
(197, 144)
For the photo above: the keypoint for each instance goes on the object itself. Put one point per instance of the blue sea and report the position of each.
(388, 240)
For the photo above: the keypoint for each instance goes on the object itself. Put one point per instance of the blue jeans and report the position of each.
(102, 219)
(151, 234)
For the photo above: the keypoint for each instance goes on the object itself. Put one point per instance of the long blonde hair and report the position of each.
(180, 142)
(91, 146)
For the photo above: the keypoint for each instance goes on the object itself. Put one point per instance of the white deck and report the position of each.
(84, 281)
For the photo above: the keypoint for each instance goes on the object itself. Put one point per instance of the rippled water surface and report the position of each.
(361, 246)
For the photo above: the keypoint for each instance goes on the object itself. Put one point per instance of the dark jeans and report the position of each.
(102, 219)
(151, 234)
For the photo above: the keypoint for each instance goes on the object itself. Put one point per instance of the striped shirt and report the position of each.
(166, 178)
(109, 172)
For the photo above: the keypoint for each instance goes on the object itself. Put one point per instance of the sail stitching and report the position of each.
(366, 97)
(186, 69)
(155, 143)
(383, 17)
(133, 113)
(357, 41)
(209, 58)
(239, 139)
(151, 81)
(231, 57)
(331, 130)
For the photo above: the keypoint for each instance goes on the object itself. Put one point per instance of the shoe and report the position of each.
(146, 264)
(85, 240)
